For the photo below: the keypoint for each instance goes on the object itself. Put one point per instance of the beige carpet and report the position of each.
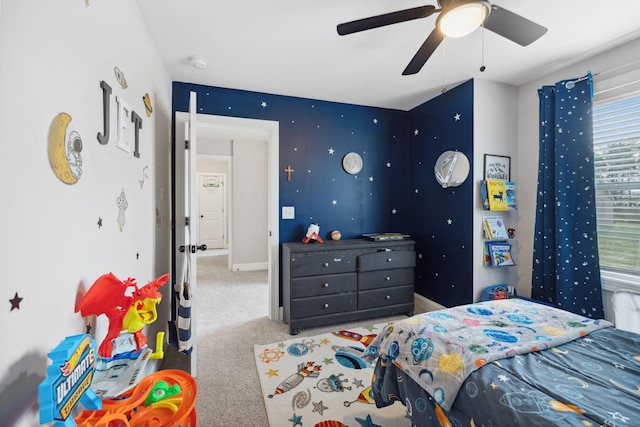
(232, 317)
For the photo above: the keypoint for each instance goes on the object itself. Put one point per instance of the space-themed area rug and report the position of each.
(323, 381)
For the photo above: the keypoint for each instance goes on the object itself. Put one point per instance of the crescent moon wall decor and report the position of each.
(147, 104)
(64, 149)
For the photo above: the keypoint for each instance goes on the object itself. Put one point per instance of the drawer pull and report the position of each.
(326, 264)
(326, 285)
(388, 259)
(326, 306)
(387, 278)
(387, 297)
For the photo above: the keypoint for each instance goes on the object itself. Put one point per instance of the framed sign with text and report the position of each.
(497, 167)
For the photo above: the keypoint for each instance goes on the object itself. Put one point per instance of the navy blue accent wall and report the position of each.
(395, 191)
(441, 218)
(314, 137)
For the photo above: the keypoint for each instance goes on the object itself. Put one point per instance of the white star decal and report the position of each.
(449, 221)
(370, 179)
(618, 416)
(457, 117)
(393, 211)
(375, 121)
(415, 132)
(334, 202)
(263, 104)
(331, 151)
(388, 164)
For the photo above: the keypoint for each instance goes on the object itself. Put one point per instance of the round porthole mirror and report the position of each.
(451, 169)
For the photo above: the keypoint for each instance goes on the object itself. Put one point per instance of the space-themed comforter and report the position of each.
(439, 349)
(508, 362)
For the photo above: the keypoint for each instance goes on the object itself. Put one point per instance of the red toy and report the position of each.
(127, 307)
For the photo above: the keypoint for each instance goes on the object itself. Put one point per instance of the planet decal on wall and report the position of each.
(65, 146)
(336, 235)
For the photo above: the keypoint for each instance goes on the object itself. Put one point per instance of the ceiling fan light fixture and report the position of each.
(462, 19)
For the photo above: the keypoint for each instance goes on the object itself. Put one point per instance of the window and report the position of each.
(616, 139)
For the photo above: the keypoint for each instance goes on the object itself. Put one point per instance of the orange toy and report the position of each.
(164, 398)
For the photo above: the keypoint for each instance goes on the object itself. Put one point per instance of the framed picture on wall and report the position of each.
(497, 167)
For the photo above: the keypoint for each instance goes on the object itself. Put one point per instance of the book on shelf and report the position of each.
(494, 228)
(500, 253)
(487, 255)
(386, 236)
(497, 194)
(485, 198)
(510, 192)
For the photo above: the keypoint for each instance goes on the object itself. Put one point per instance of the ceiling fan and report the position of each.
(457, 19)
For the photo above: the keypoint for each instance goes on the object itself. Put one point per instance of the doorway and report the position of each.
(212, 128)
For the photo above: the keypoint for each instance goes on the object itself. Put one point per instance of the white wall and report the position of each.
(53, 55)
(528, 121)
(249, 199)
(494, 132)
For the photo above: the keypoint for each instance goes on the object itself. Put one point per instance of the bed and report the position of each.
(508, 363)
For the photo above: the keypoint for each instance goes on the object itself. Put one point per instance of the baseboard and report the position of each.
(423, 304)
(250, 267)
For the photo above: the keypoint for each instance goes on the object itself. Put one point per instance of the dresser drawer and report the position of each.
(323, 285)
(322, 305)
(385, 278)
(385, 297)
(322, 264)
(385, 260)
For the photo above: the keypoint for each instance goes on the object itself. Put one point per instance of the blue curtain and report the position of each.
(566, 268)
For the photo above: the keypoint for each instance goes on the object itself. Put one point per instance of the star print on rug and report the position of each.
(367, 422)
(15, 302)
(319, 407)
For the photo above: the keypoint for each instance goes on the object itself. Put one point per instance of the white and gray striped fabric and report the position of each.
(183, 319)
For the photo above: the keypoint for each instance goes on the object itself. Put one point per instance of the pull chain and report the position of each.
(482, 67)
(444, 63)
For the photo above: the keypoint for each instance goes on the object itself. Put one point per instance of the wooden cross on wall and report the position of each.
(289, 171)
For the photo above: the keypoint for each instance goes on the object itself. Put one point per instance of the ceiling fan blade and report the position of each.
(512, 26)
(385, 19)
(422, 55)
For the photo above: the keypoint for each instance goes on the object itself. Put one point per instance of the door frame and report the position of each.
(207, 123)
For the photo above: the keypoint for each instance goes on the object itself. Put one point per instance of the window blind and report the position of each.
(616, 125)
(619, 82)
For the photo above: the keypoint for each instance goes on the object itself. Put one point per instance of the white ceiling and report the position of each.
(291, 47)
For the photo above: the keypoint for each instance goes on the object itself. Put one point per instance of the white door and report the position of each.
(211, 203)
(186, 225)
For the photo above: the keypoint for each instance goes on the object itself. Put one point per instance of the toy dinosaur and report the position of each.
(127, 307)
